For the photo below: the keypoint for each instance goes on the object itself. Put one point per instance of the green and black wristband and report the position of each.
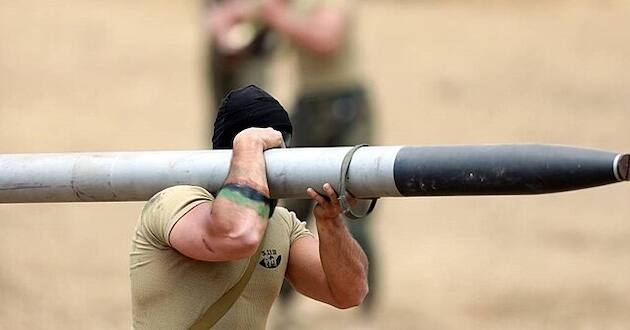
(249, 197)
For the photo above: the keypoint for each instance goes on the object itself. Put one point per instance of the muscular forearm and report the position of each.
(248, 165)
(233, 225)
(343, 261)
(240, 220)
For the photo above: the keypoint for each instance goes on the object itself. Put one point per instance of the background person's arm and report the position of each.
(332, 270)
(321, 32)
(221, 19)
(231, 227)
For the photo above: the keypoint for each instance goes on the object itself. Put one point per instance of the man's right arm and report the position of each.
(233, 225)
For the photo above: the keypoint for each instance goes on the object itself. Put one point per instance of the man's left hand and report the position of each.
(327, 206)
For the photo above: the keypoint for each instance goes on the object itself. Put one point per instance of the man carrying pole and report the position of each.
(199, 261)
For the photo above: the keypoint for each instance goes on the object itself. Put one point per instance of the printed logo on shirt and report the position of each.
(270, 258)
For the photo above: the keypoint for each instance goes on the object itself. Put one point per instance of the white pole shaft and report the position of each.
(373, 172)
(136, 176)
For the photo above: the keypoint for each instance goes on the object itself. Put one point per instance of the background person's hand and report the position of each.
(229, 25)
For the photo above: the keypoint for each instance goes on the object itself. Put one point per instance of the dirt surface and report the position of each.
(125, 75)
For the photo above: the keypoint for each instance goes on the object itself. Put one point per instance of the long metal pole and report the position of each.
(373, 172)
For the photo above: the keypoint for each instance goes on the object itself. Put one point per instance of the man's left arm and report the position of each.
(332, 269)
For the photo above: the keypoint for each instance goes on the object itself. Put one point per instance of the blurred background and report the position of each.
(129, 75)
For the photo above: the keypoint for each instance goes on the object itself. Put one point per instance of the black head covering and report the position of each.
(244, 108)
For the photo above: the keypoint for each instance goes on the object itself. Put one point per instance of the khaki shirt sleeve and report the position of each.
(165, 208)
(297, 229)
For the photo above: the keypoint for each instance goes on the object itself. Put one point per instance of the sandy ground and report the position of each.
(124, 75)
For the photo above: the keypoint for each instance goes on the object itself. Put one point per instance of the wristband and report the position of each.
(253, 198)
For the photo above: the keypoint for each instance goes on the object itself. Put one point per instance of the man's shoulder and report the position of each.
(180, 191)
(175, 196)
(294, 226)
(283, 214)
(284, 218)
(164, 209)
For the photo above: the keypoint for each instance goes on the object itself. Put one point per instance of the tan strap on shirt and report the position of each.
(216, 311)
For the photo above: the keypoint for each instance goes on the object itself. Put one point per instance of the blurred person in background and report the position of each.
(239, 48)
(332, 106)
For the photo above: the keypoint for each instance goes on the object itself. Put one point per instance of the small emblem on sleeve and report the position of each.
(270, 258)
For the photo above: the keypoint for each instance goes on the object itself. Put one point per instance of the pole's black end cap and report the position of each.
(623, 167)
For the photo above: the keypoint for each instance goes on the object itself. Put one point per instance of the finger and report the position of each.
(276, 136)
(328, 189)
(314, 195)
(323, 196)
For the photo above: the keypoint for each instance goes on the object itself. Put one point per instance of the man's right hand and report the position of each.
(267, 138)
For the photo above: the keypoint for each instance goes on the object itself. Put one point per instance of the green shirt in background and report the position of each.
(319, 73)
(170, 290)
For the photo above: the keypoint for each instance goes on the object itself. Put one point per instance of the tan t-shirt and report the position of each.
(325, 73)
(170, 290)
